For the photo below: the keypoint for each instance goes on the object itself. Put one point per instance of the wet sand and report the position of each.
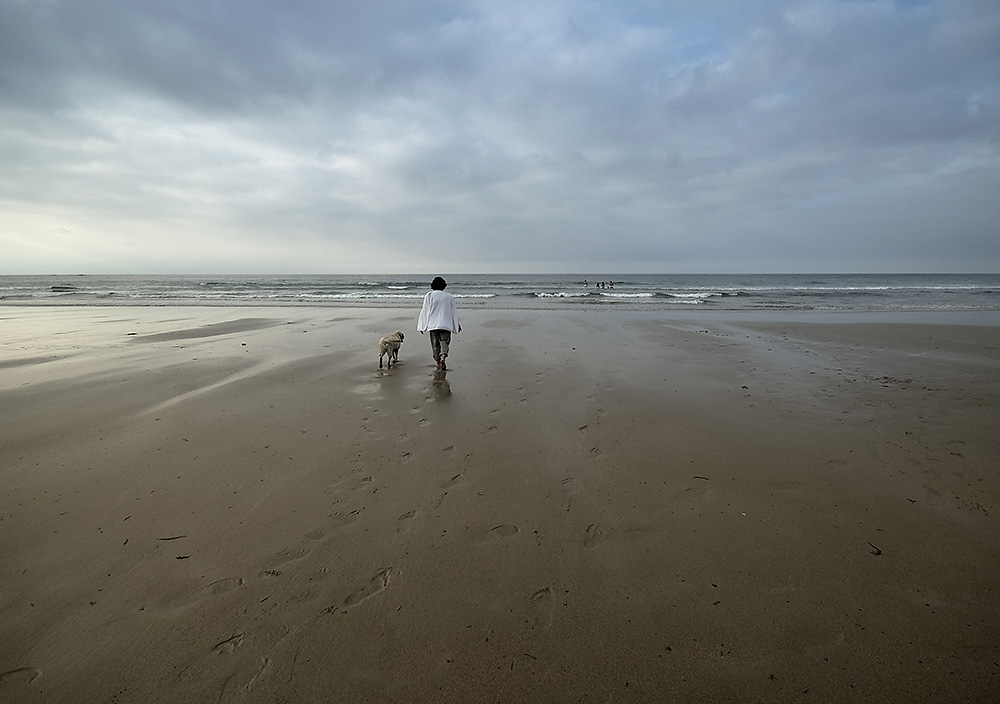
(235, 504)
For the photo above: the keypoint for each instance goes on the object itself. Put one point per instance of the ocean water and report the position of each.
(734, 292)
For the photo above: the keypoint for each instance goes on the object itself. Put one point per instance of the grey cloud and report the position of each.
(640, 132)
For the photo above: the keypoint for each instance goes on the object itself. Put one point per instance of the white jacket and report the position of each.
(438, 312)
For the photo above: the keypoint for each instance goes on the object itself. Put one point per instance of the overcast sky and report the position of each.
(398, 136)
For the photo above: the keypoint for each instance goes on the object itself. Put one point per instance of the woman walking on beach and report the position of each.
(439, 315)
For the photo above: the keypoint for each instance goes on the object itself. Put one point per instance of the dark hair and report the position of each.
(438, 283)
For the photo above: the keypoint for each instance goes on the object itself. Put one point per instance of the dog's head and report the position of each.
(400, 335)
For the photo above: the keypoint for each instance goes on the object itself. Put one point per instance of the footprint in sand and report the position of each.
(216, 588)
(953, 447)
(301, 597)
(339, 520)
(216, 667)
(340, 485)
(316, 534)
(595, 534)
(499, 532)
(224, 669)
(378, 582)
(229, 645)
(282, 558)
(405, 522)
(458, 478)
(290, 555)
(693, 494)
(504, 530)
(931, 490)
(319, 575)
(222, 586)
(542, 604)
(19, 677)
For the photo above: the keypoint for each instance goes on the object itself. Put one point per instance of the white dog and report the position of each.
(388, 346)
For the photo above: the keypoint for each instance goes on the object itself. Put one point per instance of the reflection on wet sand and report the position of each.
(440, 387)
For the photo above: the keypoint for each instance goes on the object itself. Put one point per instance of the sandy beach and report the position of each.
(206, 504)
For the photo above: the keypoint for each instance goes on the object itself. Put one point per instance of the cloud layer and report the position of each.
(393, 136)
